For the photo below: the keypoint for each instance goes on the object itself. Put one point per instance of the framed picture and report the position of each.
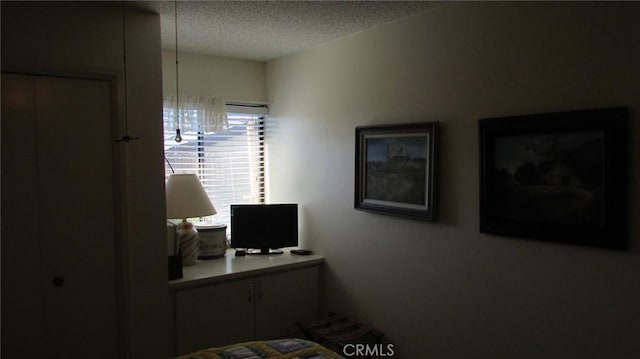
(558, 177)
(395, 170)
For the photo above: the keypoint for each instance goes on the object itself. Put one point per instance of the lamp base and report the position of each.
(189, 243)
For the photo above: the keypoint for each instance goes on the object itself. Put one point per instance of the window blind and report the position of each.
(229, 163)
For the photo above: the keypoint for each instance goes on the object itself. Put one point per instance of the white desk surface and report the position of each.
(231, 267)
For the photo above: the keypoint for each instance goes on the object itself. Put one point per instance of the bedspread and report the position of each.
(279, 348)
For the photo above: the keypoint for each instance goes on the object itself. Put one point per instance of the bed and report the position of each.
(278, 348)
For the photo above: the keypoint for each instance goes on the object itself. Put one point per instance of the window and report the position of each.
(229, 163)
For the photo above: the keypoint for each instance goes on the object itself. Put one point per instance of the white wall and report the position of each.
(443, 290)
(81, 39)
(216, 76)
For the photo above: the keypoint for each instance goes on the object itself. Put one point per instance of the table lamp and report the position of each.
(186, 199)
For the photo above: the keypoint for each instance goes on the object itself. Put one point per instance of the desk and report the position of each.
(231, 267)
(234, 299)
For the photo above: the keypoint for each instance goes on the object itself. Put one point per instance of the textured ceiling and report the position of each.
(263, 30)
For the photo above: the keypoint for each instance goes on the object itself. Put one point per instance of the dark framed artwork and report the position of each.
(395, 169)
(558, 176)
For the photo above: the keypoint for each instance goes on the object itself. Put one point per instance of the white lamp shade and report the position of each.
(186, 198)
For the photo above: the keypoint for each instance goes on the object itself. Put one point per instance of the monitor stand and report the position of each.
(263, 251)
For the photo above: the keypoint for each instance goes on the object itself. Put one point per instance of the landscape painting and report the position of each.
(394, 169)
(554, 177)
(560, 177)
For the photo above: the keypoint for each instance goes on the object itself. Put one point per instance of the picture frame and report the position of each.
(558, 177)
(395, 170)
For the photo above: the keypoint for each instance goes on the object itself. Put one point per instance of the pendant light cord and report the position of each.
(178, 137)
(169, 163)
(126, 137)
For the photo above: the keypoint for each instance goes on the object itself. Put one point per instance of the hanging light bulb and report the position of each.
(178, 137)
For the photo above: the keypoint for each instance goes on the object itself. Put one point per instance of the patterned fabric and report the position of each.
(271, 349)
(197, 113)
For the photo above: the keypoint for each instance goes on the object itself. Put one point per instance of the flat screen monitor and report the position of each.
(261, 228)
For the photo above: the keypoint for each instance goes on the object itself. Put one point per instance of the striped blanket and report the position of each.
(271, 349)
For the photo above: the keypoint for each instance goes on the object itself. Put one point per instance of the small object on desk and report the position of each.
(302, 252)
(240, 252)
(213, 240)
(175, 266)
(175, 257)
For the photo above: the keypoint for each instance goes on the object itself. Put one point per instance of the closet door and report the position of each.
(58, 230)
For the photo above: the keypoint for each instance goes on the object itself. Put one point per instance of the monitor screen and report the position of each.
(264, 227)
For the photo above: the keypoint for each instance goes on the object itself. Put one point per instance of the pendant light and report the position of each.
(126, 138)
(178, 137)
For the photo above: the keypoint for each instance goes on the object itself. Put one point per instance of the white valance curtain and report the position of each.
(197, 114)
